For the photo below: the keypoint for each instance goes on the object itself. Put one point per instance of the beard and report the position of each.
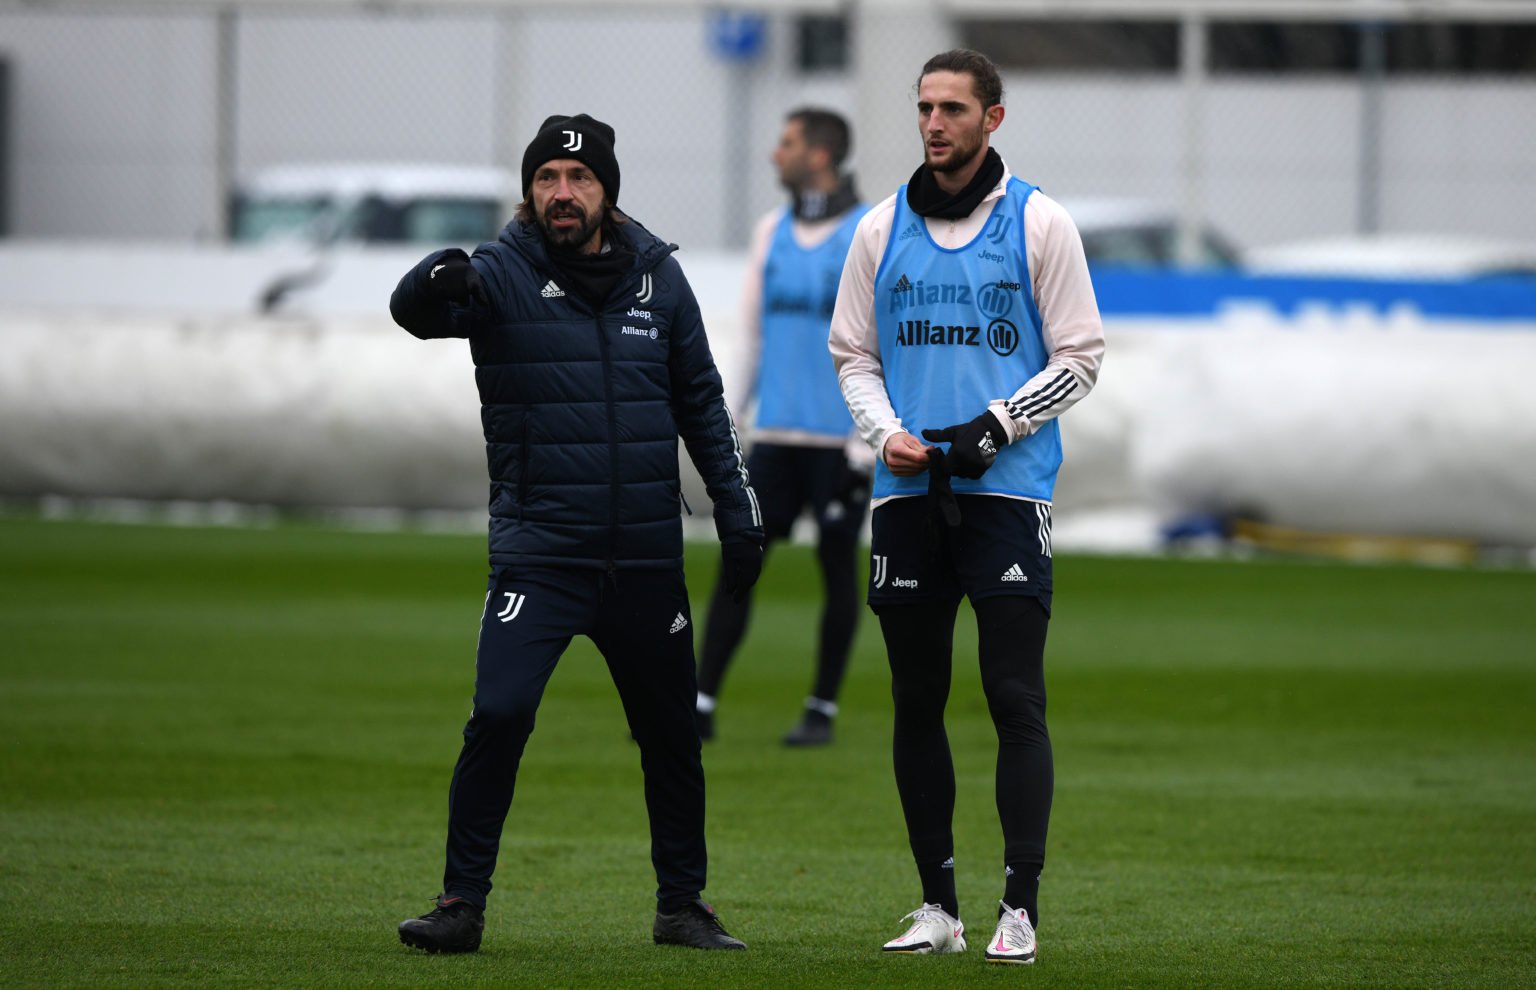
(794, 179)
(961, 154)
(568, 237)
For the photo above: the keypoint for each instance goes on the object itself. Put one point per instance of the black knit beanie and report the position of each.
(580, 137)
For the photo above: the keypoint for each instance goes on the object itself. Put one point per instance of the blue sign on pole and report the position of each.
(737, 36)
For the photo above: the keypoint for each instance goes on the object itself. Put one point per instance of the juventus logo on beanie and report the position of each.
(581, 137)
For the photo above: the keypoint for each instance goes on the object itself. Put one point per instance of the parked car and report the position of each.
(1398, 256)
(1143, 234)
(371, 204)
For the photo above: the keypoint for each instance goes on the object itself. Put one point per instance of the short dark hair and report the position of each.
(985, 82)
(824, 129)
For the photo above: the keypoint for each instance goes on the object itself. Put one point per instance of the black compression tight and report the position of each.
(837, 553)
(918, 640)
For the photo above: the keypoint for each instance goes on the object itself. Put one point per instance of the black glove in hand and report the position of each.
(455, 280)
(741, 561)
(942, 504)
(973, 446)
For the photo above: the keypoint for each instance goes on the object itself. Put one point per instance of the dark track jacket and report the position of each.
(582, 410)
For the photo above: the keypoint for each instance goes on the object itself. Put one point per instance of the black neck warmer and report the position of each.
(927, 200)
(809, 205)
(593, 276)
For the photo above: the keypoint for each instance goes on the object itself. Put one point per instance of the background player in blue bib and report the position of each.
(802, 433)
(965, 315)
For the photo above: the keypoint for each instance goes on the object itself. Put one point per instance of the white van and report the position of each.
(372, 204)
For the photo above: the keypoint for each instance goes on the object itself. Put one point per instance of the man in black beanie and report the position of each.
(592, 362)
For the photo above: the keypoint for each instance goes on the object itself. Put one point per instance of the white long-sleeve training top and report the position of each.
(1058, 273)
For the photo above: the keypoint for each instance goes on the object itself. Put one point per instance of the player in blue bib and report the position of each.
(966, 317)
(802, 433)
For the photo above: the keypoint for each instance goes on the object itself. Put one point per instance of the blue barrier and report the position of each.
(1193, 294)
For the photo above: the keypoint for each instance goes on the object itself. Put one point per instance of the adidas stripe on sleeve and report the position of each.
(1069, 317)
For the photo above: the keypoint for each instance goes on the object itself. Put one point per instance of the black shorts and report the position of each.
(788, 480)
(1001, 547)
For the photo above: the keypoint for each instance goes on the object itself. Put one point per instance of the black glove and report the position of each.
(942, 504)
(455, 280)
(741, 561)
(973, 446)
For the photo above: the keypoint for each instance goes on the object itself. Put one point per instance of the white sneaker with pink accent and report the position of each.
(1014, 940)
(933, 932)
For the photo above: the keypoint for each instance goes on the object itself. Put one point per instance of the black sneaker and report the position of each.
(454, 925)
(815, 729)
(706, 724)
(695, 925)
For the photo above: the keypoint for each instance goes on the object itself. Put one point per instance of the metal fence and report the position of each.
(135, 121)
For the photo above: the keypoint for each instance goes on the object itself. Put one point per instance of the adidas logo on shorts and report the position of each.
(679, 624)
(1015, 573)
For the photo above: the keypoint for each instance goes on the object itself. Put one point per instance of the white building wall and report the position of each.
(366, 88)
(113, 123)
(116, 119)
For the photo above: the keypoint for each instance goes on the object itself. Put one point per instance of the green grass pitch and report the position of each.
(224, 756)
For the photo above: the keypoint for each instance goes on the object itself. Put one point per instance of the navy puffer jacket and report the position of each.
(582, 410)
